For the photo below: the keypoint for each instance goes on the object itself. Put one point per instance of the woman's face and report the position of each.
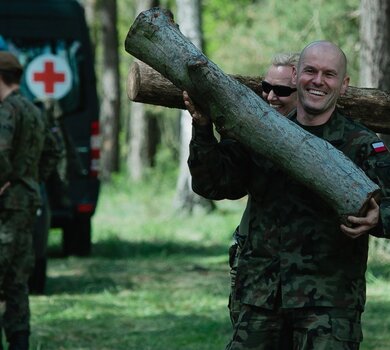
(280, 75)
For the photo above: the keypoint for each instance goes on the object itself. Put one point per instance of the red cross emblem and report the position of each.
(49, 76)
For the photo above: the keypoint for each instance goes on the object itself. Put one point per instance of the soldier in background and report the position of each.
(22, 137)
(52, 157)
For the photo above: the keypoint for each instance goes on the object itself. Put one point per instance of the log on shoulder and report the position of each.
(237, 110)
(370, 107)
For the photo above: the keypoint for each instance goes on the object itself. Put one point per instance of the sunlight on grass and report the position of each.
(154, 279)
(158, 280)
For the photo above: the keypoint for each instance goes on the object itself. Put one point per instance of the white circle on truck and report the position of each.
(49, 76)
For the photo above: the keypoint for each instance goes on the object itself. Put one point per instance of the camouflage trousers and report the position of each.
(321, 328)
(234, 302)
(296, 329)
(16, 262)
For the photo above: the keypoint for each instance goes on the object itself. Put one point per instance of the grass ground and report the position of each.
(157, 280)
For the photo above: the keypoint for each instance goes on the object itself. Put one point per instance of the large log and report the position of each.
(371, 107)
(155, 39)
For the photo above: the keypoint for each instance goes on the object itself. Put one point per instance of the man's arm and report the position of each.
(218, 169)
(376, 164)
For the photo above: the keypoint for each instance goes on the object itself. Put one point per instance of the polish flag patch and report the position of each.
(379, 147)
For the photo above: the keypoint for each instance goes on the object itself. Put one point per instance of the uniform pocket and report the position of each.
(347, 331)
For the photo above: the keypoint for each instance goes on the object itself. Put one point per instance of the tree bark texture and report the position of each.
(375, 65)
(375, 48)
(369, 106)
(137, 158)
(375, 44)
(110, 107)
(190, 19)
(239, 112)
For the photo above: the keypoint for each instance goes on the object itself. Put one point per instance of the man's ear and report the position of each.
(294, 75)
(344, 85)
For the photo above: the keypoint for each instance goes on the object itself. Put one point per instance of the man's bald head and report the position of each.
(325, 46)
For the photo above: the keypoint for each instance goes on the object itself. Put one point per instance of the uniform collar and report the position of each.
(12, 93)
(333, 128)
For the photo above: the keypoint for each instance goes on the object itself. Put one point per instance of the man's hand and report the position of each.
(362, 225)
(197, 117)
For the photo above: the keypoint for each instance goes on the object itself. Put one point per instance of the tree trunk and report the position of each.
(155, 39)
(189, 18)
(138, 155)
(375, 64)
(375, 44)
(110, 108)
(371, 107)
(90, 7)
(375, 48)
(136, 158)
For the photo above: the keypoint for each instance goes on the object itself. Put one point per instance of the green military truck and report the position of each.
(51, 40)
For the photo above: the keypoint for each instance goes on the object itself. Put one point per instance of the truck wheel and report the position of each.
(77, 236)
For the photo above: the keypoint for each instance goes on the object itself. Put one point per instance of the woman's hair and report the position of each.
(286, 59)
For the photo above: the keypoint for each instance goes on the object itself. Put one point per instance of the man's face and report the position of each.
(320, 79)
(280, 75)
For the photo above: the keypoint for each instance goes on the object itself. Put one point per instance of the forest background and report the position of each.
(158, 276)
(239, 36)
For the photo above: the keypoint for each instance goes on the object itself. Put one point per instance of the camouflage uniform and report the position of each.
(53, 151)
(292, 256)
(53, 148)
(21, 143)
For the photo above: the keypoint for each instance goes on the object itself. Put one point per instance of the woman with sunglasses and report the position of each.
(280, 93)
(278, 89)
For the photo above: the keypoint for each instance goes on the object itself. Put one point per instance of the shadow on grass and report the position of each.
(119, 249)
(116, 265)
(160, 332)
(83, 284)
(114, 248)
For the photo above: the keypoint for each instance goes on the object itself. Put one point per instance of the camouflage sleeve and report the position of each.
(7, 128)
(53, 148)
(218, 169)
(377, 167)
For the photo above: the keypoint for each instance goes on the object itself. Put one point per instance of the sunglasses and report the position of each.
(279, 90)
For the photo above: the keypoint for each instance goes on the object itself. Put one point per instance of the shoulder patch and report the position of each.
(379, 147)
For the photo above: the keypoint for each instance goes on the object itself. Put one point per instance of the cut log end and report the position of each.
(133, 81)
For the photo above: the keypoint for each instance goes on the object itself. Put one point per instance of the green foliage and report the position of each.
(242, 36)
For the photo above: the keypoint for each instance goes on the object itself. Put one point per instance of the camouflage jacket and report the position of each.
(290, 240)
(21, 143)
(54, 145)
